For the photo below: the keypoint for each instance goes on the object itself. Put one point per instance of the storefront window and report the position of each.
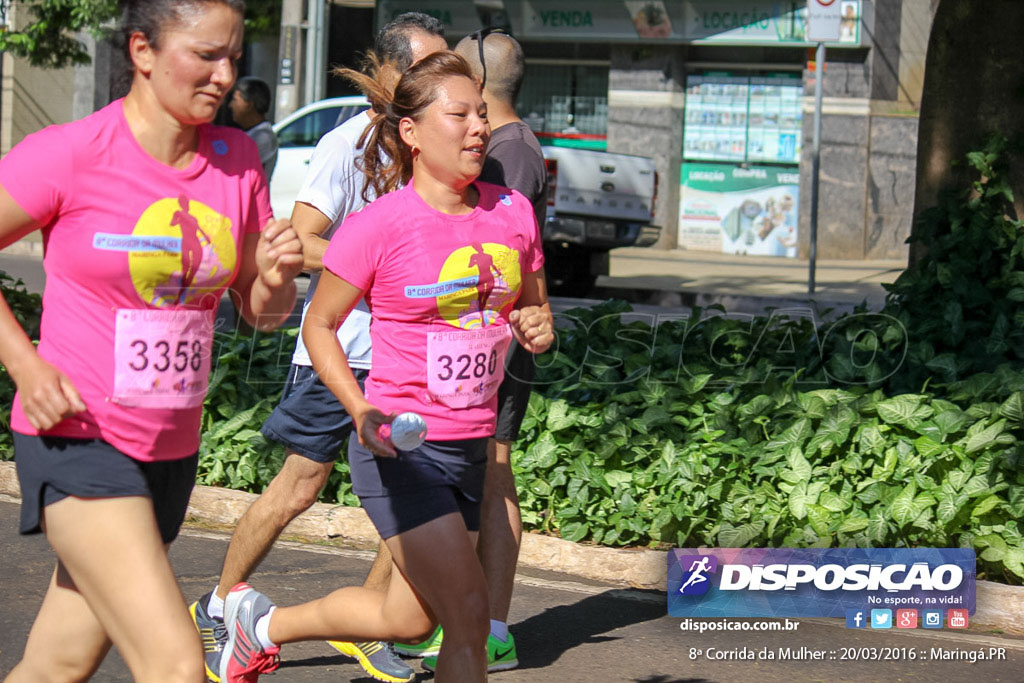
(743, 118)
(565, 101)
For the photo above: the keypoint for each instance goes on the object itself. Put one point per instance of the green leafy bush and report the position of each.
(901, 427)
(27, 308)
(963, 304)
(626, 451)
(245, 385)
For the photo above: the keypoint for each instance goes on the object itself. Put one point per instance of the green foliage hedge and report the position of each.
(27, 308)
(899, 427)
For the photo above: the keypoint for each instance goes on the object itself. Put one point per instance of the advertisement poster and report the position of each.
(735, 210)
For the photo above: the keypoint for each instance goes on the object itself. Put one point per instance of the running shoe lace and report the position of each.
(220, 633)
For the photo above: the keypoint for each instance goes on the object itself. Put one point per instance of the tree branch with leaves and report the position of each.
(48, 38)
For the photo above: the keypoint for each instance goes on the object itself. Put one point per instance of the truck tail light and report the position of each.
(551, 166)
(654, 195)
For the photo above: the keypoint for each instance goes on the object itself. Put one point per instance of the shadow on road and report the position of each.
(543, 638)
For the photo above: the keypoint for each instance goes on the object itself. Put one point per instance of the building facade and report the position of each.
(720, 94)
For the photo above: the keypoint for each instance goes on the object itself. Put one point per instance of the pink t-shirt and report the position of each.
(136, 255)
(440, 289)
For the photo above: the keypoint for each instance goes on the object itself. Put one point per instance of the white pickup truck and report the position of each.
(597, 201)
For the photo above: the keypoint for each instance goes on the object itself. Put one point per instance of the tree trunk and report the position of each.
(973, 86)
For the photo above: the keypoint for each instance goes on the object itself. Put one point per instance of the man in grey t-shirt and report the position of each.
(249, 105)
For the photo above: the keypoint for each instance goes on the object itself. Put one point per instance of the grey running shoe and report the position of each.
(213, 633)
(244, 659)
(377, 659)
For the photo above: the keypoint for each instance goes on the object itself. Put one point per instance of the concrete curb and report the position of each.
(998, 605)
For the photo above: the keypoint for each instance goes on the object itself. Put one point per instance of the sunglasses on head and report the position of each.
(479, 37)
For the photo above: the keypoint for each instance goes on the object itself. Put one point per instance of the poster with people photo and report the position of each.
(736, 210)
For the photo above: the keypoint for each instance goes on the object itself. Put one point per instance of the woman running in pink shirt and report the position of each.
(108, 407)
(443, 316)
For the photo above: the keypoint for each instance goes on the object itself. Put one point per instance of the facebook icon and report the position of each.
(856, 618)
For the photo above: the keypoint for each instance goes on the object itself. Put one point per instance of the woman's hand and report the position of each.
(47, 395)
(266, 275)
(368, 424)
(278, 254)
(533, 327)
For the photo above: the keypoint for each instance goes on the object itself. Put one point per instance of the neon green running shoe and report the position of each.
(501, 655)
(428, 648)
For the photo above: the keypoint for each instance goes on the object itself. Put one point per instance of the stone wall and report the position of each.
(869, 137)
(645, 117)
(892, 166)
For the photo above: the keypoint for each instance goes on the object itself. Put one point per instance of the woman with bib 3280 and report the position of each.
(148, 215)
(451, 269)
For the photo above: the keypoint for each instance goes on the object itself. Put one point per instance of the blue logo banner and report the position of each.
(818, 582)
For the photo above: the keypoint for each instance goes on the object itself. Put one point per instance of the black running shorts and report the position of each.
(421, 485)
(514, 392)
(52, 468)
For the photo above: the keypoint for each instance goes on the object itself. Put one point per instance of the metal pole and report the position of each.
(819, 70)
(315, 51)
(322, 35)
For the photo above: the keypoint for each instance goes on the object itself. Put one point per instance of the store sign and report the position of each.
(676, 21)
(459, 17)
(734, 209)
(748, 22)
(710, 21)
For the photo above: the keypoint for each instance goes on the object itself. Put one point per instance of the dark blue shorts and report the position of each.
(419, 486)
(514, 392)
(52, 468)
(309, 420)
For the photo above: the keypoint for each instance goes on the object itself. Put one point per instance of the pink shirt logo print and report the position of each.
(162, 358)
(178, 251)
(467, 366)
(487, 277)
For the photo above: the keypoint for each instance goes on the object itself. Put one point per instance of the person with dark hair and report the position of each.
(249, 105)
(148, 214)
(309, 420)
(397, 41)
(410, 253)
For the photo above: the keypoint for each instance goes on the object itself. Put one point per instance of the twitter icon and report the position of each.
(881, 618)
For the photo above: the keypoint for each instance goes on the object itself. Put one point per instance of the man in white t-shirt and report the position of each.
(309, 420)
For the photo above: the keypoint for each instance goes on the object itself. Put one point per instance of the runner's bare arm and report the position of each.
(532, 322)
(309, 223)
(266, 277)
(333, 301)
(47, 395)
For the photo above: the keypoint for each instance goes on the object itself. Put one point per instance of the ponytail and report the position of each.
(387, 160)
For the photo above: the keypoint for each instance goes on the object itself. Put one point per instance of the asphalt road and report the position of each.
(566, 629)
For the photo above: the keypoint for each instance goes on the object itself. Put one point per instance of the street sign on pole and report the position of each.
(823, 20)
(819, 76)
